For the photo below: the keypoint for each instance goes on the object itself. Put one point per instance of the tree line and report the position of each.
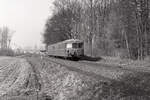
(108, 27)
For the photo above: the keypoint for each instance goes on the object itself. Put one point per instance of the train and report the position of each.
(71, 48)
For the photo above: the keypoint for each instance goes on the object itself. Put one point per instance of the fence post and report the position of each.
(37, 91)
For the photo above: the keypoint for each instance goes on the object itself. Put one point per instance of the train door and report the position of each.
(68, 49)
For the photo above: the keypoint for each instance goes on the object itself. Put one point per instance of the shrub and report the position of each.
(6, 52)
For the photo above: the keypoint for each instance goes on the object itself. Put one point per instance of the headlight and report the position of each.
(69, 45)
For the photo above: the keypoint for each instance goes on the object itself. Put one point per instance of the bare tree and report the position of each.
(6, 35)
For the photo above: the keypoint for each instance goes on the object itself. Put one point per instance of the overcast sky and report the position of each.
(26, 18)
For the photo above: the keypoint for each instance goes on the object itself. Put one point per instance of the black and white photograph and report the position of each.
(74, 49)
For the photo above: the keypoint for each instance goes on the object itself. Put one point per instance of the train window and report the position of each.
(69, 45)
(75, 45)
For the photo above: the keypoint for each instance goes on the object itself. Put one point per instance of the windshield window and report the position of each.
(77, 45)
(80, 45)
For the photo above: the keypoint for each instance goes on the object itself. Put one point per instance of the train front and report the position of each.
(75, 49)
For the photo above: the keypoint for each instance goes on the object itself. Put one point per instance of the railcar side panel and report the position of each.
(57, 49)
(68, 48)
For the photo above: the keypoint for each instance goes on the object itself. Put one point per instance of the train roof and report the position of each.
(68, 41)
(73, 40)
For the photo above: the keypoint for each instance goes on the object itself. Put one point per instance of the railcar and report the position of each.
(72, 48)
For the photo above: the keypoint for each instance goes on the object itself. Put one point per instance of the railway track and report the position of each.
(100, 71)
